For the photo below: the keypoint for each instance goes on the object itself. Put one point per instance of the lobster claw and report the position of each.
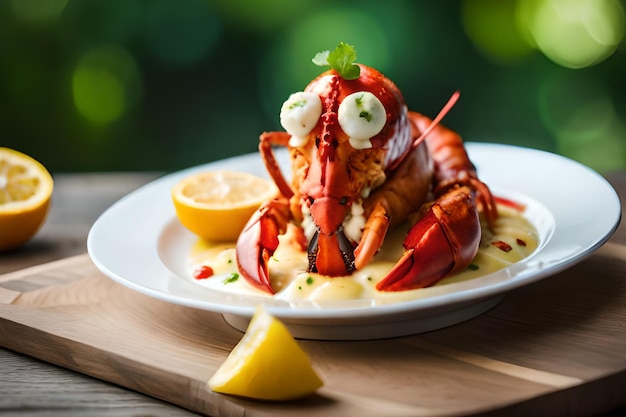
(441, 243)
(258, 242)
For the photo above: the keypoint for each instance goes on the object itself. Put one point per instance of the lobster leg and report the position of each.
(443, 242)
(401, 195)
(266, 141)
(373, 236)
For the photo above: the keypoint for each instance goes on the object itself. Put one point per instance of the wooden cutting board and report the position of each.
(557, 347)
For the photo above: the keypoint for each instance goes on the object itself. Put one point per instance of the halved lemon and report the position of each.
(25, 191)
(216, 205)
(267, 364)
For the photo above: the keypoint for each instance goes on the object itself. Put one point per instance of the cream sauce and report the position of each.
(513, 239)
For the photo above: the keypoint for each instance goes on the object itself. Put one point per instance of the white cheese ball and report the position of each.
(300, 113)
(361, 116)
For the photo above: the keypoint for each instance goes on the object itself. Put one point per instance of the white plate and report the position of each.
(139, 243)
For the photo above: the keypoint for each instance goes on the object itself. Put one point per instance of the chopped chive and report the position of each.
(231, 278)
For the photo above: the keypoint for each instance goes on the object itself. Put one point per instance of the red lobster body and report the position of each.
(346, 190)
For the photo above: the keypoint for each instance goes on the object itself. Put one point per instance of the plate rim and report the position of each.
(384, 311)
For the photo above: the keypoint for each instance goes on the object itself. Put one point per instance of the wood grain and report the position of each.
(557, 345)
(35, 388)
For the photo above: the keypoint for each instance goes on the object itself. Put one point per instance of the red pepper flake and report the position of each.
(503, 246)
(520, 242)
(509, 203)
(203, 272)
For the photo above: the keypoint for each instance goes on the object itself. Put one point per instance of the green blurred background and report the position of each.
(111, 85)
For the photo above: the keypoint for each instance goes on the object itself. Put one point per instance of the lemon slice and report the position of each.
(25, 191)
(267, 364)
(216, 205)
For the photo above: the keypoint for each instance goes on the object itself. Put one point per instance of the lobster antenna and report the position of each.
(451, 102)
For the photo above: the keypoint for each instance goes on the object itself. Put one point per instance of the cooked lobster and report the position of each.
(362, 163)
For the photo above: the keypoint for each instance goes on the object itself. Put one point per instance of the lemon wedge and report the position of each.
(25, 192)
(216, 205)
(267, 364)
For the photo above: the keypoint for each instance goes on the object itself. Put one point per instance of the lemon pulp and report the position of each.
(25, 192)
(216, 205)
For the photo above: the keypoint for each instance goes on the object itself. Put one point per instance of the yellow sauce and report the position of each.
(513, 232)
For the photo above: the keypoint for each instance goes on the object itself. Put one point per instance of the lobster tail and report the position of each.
(331, 255)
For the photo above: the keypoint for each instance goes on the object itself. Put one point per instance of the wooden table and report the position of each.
(29, 386)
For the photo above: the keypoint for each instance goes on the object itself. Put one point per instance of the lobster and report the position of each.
(363, 163)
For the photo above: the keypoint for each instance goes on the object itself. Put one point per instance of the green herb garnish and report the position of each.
(473, 267)
(309, 280)
(341, 60)
(366, 115)
(299, 103)
(231, 278)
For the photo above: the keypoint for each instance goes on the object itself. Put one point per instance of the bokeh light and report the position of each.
(105, 83)
(573, 33)
(594, 136)
(491, 25)
(580, 114)
(161, 85)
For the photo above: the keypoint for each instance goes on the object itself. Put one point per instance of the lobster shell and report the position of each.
(396, 137)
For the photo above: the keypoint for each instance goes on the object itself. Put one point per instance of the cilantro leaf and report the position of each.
(321, 59)
(341, 59)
